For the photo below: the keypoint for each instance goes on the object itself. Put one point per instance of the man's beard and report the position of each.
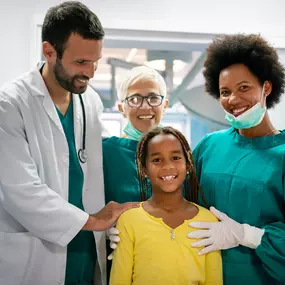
(67, 82)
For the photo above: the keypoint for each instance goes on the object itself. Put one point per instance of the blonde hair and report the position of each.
(139, 74)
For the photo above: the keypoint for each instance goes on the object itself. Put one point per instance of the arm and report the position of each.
(271, 249)
(33, 204)
(122, 267)
(214, 269)
(224, 234)
(267, 242)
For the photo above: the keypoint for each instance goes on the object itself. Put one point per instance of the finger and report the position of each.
(110, 257)
(114, 238)
(220, 215)
(199, 234)
(113, 245)
(201, 225)
(202, 243)
(113, 231)
(206, 250)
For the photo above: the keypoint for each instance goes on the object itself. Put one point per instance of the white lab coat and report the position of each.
(36, 221)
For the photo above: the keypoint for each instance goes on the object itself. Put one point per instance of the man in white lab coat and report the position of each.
(51, 198)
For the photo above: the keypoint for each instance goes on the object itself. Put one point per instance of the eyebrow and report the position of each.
(87, 60)
(149, 94)
(244, 81)
(173, 152)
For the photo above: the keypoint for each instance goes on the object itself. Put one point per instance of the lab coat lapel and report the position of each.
(37, 87)
(51, 111)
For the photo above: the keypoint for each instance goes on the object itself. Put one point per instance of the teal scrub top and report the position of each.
(81, 251)
(120, 170)
(244, 178)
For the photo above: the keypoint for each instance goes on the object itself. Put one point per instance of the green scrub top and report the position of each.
(120, 170)
(244, 178)
(81, 251)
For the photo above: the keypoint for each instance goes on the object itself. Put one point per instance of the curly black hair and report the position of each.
(252, 51)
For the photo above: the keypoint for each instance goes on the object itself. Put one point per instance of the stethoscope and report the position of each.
(82, 154)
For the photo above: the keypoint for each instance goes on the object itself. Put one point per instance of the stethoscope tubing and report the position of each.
(81, 153)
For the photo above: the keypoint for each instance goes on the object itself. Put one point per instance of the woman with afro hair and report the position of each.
(242, 169)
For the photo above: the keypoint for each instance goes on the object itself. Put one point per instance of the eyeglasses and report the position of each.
(136, 101)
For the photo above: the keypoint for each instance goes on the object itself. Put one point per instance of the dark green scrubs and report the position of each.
(81, 251)
(120, 170)
(245, 178)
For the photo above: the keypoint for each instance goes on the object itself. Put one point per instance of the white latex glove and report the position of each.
(224, 234)
(113, 235)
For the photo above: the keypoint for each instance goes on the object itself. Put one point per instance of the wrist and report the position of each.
(252, 236)
(90, 224)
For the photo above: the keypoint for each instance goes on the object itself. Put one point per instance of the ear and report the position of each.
(267, 88)
(165, 105)
(121, 110)
(49, 52)
(188, 167)
(144, 172)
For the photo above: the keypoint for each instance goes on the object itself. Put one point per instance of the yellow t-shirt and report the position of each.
(152, 253)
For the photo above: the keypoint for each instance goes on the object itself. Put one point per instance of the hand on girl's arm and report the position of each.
(113, 235)
(224, 234)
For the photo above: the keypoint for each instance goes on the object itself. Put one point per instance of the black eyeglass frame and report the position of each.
(144, 98)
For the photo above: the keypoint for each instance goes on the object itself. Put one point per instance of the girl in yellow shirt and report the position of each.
(154, 247)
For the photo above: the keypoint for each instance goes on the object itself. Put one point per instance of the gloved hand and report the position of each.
(113, 235)
(224, 234)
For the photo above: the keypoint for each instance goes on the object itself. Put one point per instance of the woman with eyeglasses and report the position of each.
(142, 96)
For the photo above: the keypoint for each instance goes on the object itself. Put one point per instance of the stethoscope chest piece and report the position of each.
(82, 155)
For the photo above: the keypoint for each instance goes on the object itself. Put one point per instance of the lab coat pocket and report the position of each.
(14, 257)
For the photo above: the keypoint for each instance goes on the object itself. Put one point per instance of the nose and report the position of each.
(90, 70)
(232, 99)
(145, 104)
(167, 164)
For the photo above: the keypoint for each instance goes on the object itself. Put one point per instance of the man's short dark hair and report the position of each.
(252, 51)
(70, 17)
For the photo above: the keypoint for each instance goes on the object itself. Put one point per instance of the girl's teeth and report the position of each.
(168, 178)
(145, 117)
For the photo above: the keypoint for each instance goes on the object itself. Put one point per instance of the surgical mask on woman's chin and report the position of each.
(250, 118)
(131, 132)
